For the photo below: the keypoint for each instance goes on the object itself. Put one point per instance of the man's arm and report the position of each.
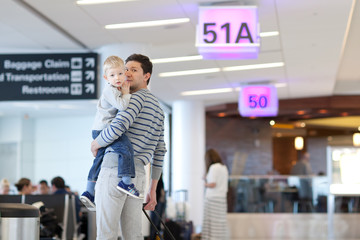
(158, 158)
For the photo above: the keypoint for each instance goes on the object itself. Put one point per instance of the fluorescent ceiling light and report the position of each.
(254, 66)
(225, 69)
(177, 59)
(269, 34)
(189, 72)
(90, 2)
(67, 106)
(279, 85)
(147, 23)
(208, 91)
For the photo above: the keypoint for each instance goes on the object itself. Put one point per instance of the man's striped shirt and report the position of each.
(144, 121)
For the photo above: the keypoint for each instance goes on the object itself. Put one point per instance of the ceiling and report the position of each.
(318, 43)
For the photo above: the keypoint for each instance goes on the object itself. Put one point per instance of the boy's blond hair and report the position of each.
(112, 62)
(4, 183)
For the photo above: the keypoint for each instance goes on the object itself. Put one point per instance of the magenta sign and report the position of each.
(258, 101)
(228, 32)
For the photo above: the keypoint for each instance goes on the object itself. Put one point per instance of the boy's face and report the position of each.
(115, 76)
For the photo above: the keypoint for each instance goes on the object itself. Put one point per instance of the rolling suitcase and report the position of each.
(168, 233)
(182, 210)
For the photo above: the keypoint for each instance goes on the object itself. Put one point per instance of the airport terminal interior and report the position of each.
(266, 83)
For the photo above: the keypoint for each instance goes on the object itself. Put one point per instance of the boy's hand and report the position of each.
(125, 88)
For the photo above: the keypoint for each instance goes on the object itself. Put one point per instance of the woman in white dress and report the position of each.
(215, 206)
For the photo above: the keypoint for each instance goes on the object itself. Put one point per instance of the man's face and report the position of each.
(136, 76)
(44, 189)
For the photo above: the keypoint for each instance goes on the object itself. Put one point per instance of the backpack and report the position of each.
(49, 224)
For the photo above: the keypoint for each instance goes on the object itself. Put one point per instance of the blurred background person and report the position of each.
(302, 167)
(215, 206)
(58, 187)
(43, 187)
(305, 190)
(4, 186)
(24, 186)
(160, 208)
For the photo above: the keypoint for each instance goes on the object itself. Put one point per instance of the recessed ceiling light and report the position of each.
(225, 69)
(90, 2)
(207, 91)
(189, 72)
(281, 84)
(269, 34)
(147, 23)
(177, 59)
(254, 66)
(67, 106)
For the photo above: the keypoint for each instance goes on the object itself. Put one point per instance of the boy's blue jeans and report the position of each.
(121, 146)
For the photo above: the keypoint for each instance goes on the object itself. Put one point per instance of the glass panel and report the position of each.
(278, 194)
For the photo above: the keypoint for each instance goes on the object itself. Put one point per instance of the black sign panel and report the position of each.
(48, 76)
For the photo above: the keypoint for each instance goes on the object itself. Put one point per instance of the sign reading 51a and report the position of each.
(228, 32)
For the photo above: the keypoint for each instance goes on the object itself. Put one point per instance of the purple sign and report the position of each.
(258, 101)
(228, 32)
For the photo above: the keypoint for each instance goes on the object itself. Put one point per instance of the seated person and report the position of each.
(24, 186)
(4, 186)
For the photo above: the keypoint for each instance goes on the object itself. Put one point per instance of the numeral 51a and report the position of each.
(211, 35)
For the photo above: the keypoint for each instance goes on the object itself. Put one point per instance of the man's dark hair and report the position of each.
(145, 62)
(43, 182)
(58, 182)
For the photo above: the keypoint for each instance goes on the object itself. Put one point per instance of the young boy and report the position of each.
(115, 97)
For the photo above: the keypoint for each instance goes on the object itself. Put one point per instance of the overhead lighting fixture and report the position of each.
(225, 69)
(279, 85)
(91, 2)
(177, 59)
(147, 23)
(356, 139)
(67, 106)
(208, 91)
(299, 143)
(269, 34)
(254, 66)
(189, 72)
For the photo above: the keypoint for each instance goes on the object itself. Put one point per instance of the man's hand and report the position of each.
(150, 201)
(94, 147)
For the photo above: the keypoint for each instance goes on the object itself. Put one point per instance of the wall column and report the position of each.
(188, 151)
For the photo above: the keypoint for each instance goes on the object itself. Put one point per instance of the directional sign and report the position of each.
(48, 76)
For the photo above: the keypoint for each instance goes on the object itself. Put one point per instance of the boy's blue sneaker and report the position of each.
(88, 200)
(129, 190)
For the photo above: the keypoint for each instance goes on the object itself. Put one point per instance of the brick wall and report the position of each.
(244, 145)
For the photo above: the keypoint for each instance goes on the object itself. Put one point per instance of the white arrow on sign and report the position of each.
(89, 88)
(90, 62)
(90, 75)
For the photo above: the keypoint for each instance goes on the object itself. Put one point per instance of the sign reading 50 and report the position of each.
(258, 101)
